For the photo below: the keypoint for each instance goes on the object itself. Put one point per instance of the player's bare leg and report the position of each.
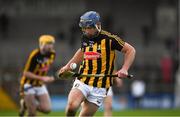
(31, 104)
(88, 109)
(44, 104)
(108, 106)
(75, 99)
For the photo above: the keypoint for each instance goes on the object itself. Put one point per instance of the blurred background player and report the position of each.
(97, 54)
(138, 88)
(109, 98)
(33, 92)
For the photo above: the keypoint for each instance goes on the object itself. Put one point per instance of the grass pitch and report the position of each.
(143, 112)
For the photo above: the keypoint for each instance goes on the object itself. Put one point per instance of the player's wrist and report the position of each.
(125, 68)
(67, 67)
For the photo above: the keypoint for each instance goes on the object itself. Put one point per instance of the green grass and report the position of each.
(144, 112)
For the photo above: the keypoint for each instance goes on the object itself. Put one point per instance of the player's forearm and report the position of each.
(129, 55)
(77, 58)
(32, 75)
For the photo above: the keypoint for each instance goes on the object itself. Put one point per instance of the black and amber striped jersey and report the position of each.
(38, 64)
(99, 57)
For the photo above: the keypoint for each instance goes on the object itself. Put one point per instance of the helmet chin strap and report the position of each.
(98, 28)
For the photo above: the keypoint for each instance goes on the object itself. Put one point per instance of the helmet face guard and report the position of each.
(86, 23)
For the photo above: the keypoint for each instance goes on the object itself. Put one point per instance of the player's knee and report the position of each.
(45, 109)
(70, 112)
(71, 109)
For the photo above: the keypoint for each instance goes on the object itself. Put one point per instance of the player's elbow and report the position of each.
(133, 50)
(130, 50)
(25, 73)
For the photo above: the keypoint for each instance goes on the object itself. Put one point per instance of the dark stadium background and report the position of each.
(151, 26)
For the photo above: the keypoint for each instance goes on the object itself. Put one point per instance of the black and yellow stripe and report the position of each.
(35, 66)
(98, 65)
(102, 65)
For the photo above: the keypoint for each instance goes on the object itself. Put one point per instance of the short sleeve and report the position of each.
(31, 62)
(117, 43)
